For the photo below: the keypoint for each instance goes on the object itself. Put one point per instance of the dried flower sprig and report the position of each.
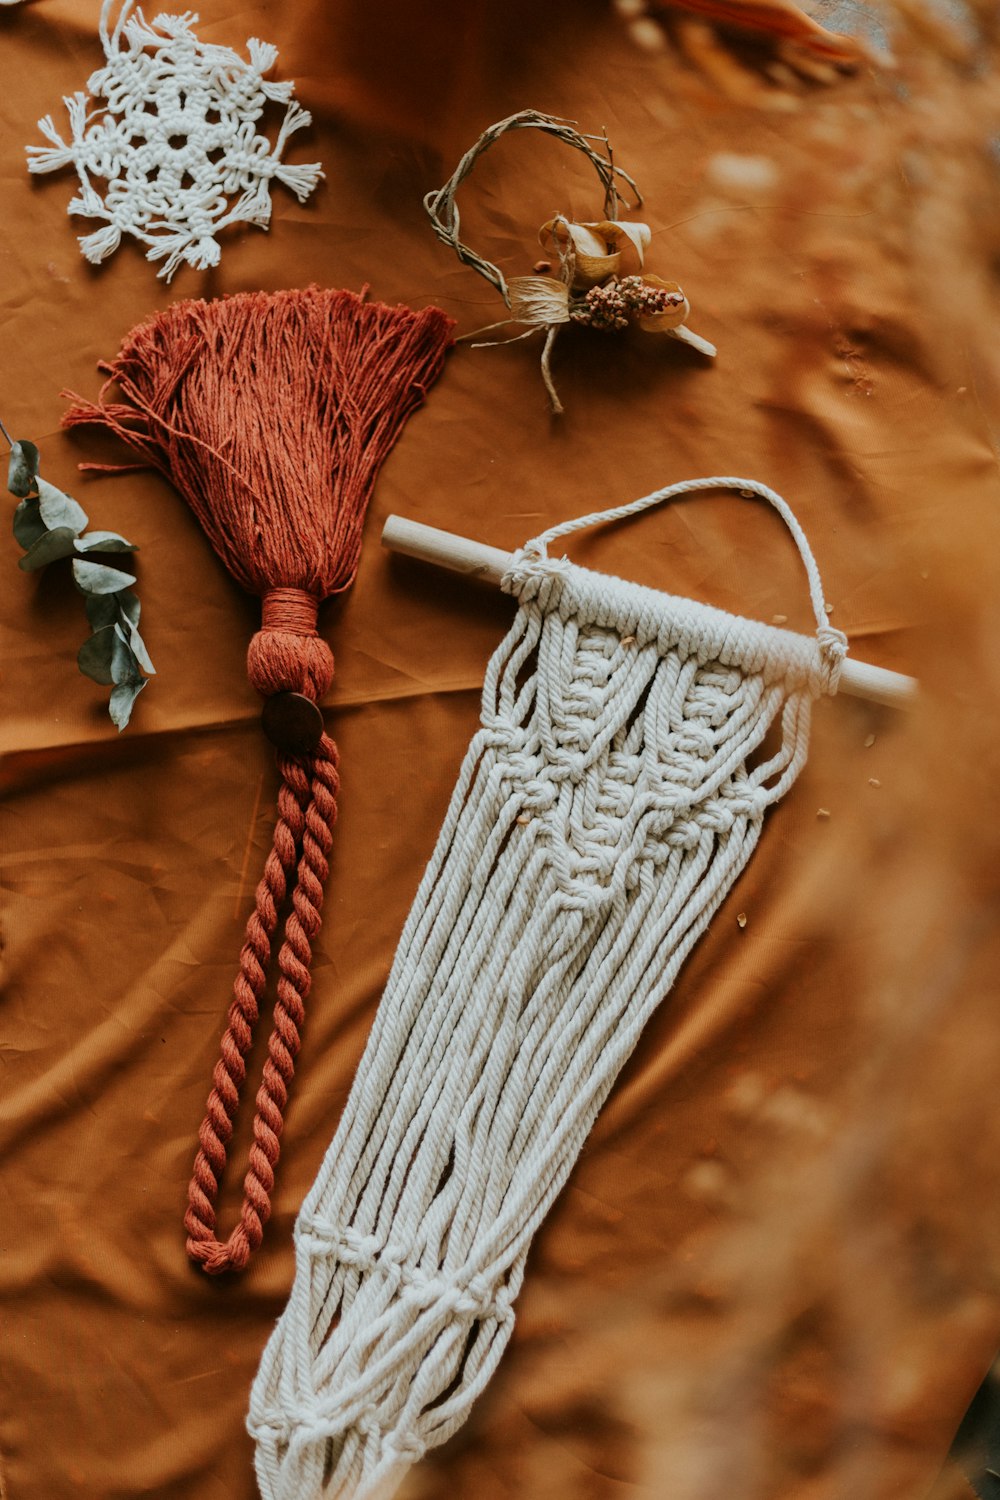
(587, 289)
(49, 525)
(656, 305)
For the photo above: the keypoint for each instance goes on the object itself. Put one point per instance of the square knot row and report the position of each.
(470, 1297)
(467, 1296)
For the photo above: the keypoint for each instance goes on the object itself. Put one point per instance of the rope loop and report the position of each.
(296, 870)
(832, 642)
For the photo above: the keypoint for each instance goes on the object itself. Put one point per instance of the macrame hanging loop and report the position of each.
(832, 642)
(630, 745)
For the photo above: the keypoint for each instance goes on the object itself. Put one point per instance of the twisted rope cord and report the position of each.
(303, 835)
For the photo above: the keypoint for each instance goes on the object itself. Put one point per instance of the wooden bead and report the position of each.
(293, 723)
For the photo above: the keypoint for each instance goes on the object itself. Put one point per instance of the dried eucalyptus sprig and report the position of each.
(587, 289)
(49, 525)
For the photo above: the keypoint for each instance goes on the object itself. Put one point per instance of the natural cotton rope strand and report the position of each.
(614, 792)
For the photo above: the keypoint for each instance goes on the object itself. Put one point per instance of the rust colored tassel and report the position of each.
(272, 414)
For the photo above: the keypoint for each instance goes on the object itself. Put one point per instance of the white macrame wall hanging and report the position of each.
(614, 792)
(173, 151)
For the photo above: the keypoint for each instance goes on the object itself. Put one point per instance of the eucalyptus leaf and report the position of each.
(22, 468)
(102, 609)
(104, 541)
(134, 640)
(124, 663)
(28, 524)
(94, 657)
(59, 509)
(95, 578)
(122, 698)
(130, 606)
(50, 546)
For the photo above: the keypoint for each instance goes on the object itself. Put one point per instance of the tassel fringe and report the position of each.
(272, 415)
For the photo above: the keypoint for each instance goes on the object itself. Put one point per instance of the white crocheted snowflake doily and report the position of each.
(174, 140)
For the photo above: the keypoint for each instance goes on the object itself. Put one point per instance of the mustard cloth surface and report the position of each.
(772, 1271)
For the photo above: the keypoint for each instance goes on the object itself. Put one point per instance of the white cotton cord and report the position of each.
(174, 140)
(613, 794)
(833, 642)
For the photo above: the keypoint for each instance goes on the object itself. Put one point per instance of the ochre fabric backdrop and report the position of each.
(774, 1272)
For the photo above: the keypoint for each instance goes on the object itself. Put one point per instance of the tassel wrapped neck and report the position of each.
(287, 655)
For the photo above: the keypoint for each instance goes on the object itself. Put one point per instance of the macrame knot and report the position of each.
(421, 1291)
(216, 1258)
(360, 1250)
(367, 1421)
(287, 655)
(833, 649)
(476, 1298)
(406, 1445)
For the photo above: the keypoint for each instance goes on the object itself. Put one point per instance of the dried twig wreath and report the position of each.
(588, 288)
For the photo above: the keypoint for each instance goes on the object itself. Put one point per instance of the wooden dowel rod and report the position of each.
(457, 553)
(461, 555)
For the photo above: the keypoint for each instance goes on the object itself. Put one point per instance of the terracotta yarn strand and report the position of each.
(272, 414)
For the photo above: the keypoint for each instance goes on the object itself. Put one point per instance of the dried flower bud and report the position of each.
(659, 305)
(603, 308)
